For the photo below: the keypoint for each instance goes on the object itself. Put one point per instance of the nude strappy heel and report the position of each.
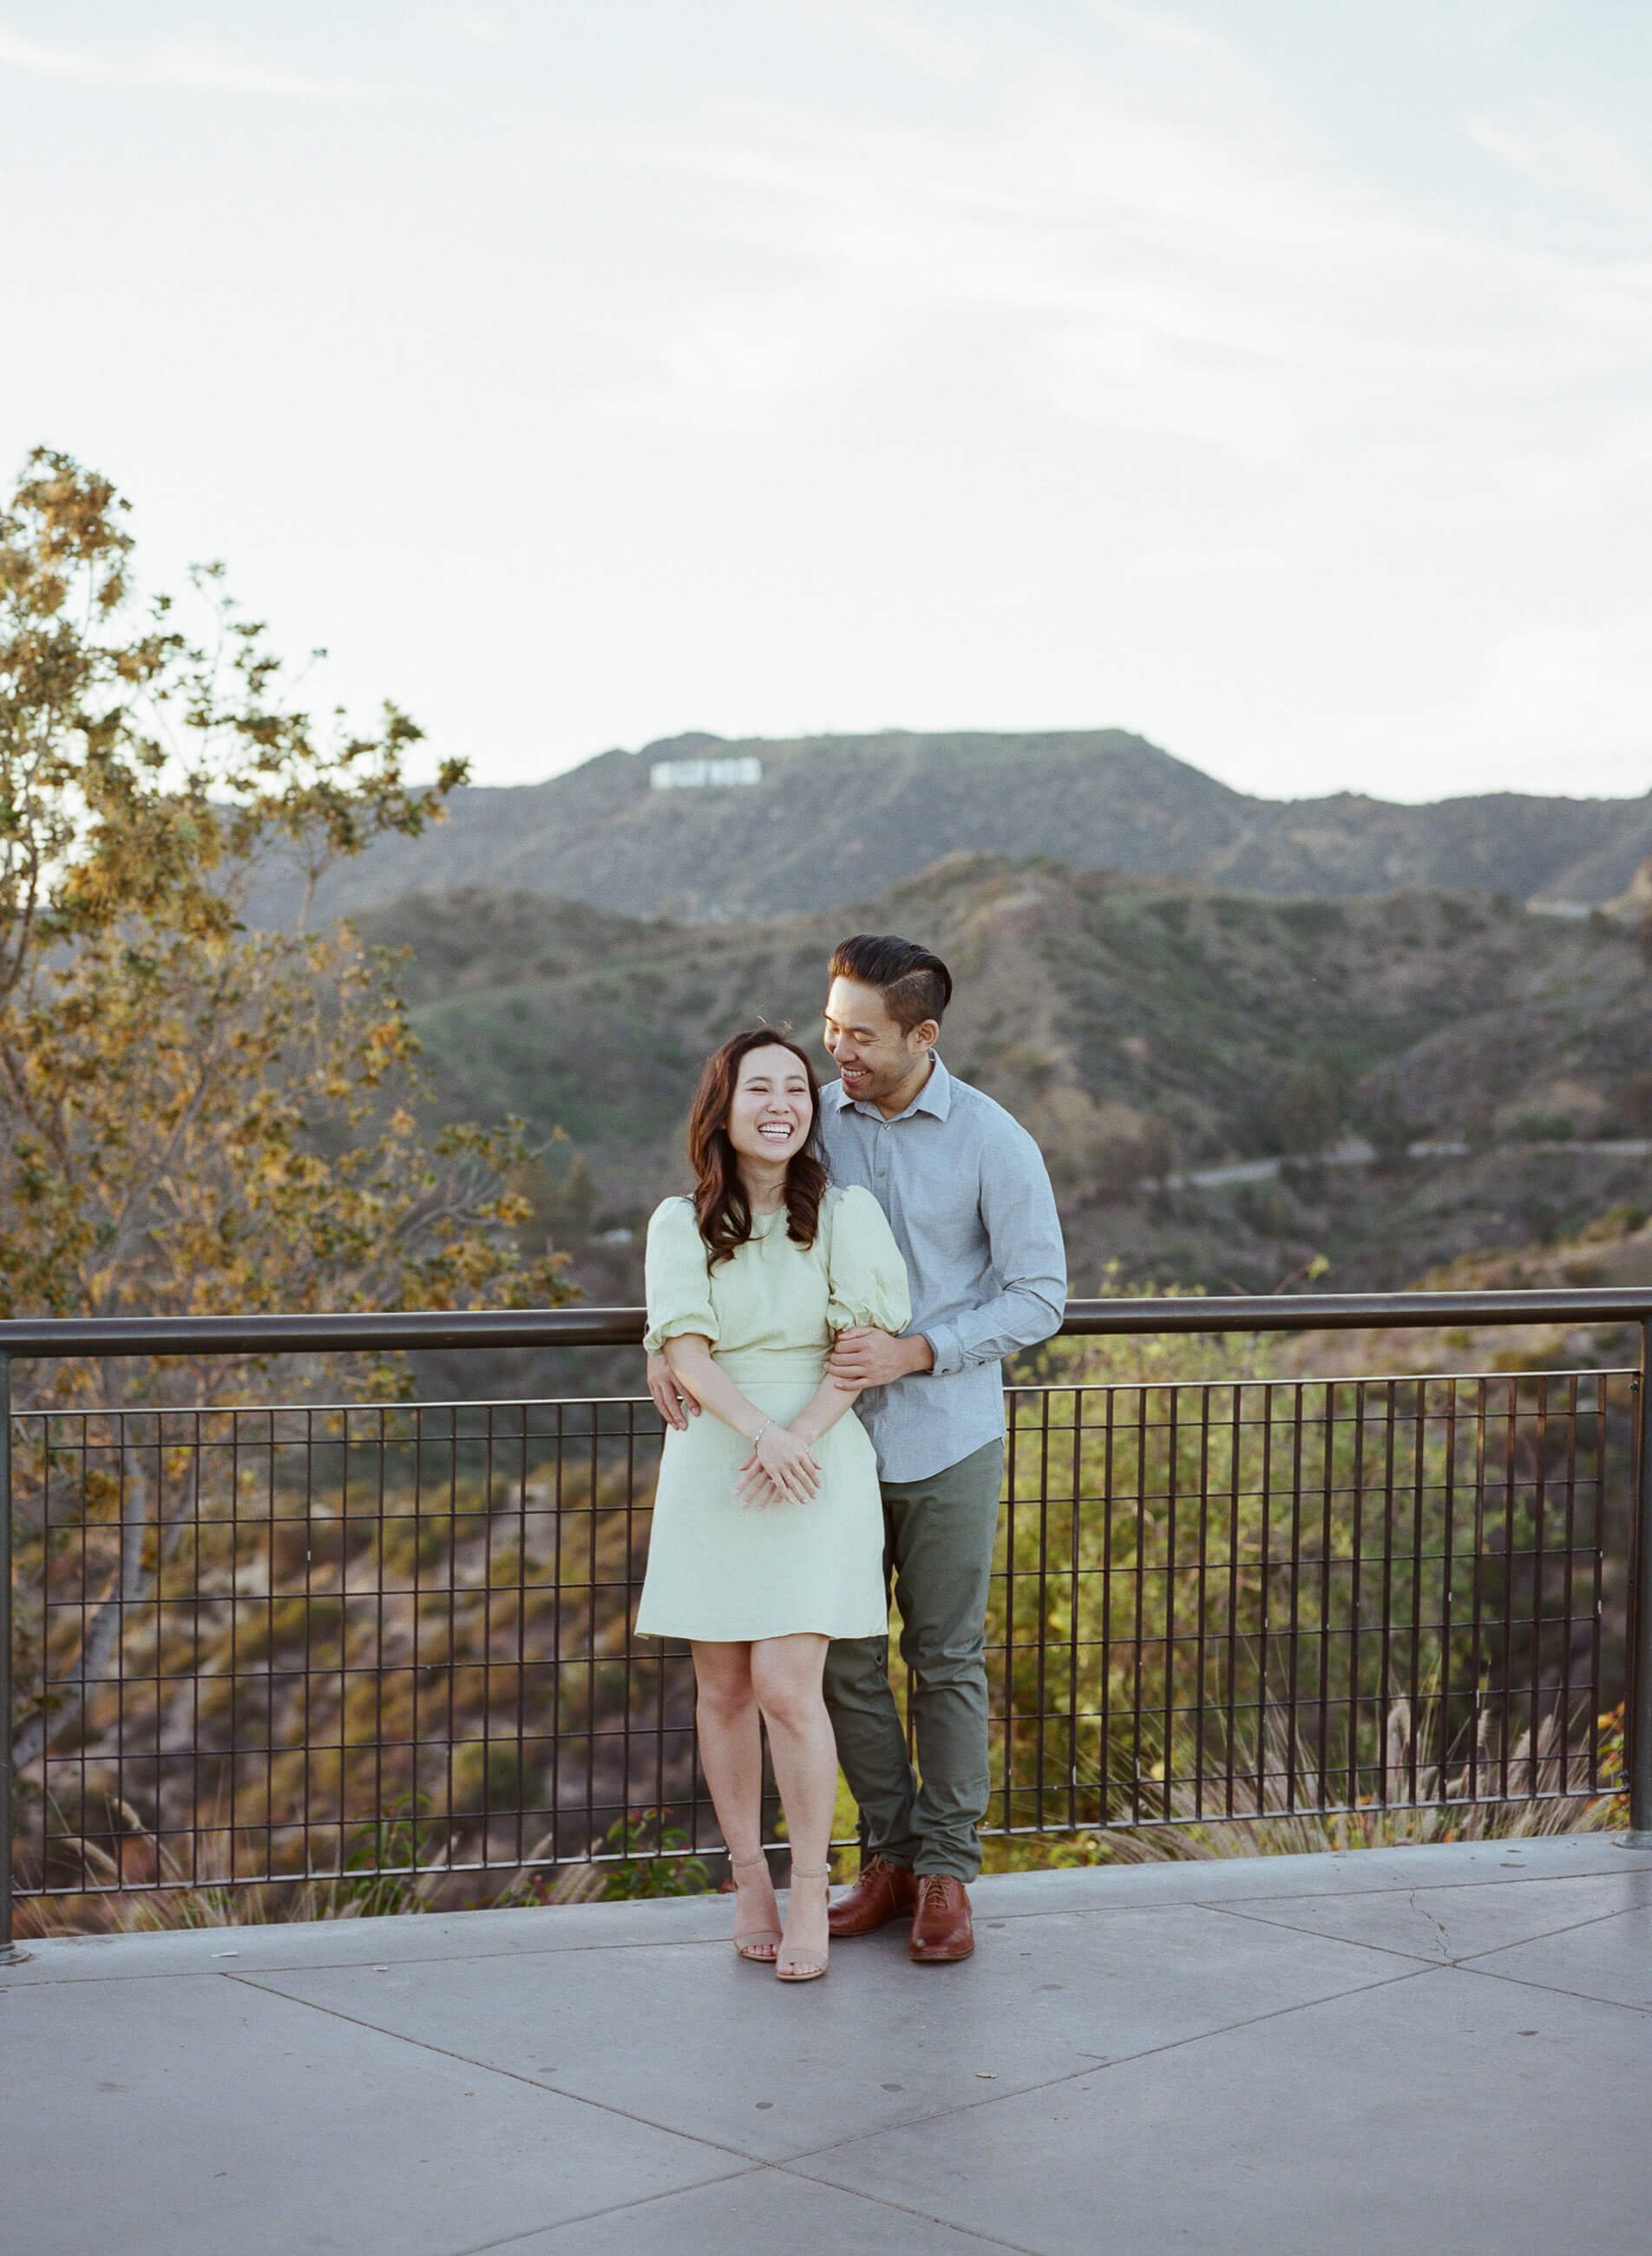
(761, 1943)
(801, 1965)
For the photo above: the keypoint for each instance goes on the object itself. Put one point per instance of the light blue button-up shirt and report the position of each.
(968, 1197)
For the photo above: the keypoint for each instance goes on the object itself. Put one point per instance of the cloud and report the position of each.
(486, 30)
(183, 65)
(1569, 155)
(1151, 28)
(1545, 707)
(1176, 261)
(1184, 563)
(730, 365)
(933, 52)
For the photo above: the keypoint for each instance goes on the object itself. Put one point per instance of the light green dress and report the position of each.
(726, 1571)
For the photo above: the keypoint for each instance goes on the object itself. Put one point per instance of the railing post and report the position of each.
(1638, 1703)
(9, 1954)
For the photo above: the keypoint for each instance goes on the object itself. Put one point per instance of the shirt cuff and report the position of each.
(943, 1345)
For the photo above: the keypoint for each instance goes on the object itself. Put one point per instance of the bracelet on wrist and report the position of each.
(761, 1430)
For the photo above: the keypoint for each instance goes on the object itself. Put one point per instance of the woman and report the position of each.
(768, 1528)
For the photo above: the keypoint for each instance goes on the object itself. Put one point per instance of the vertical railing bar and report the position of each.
(1476, 1635)
(1539, 1502)
(1200, 1618)
(1294, 1673)
(554, 1793)
(1172, 1489)
(1448, 1595)
(1075, 1595)
(417, 1767)
(1637, 1711)
(118, 1647)
(591, 1647)
(340, 1835)
(234, 1678)
(1386, 1661)
(84, 1602)
(269, 1643)
(1105, 1704)
(452, 1603)
(192, 1835)
(1355, 1592)
(1231, 1725)
(241, 1750)
(1419, 1460)
(1041, 1672)
(1264, 1597)
(307, 1769)
(522, 1661)
(8, 1689)
(1327, 1463)
(487, 1634)
(9, 1954)
(1597, 1551)
(383, 1835)
(627, 1645)
(660, 1668)
(1141, 1600)
(1567, 1585)
(1007, 1818)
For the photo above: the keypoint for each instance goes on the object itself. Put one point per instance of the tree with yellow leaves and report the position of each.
(196, 1117)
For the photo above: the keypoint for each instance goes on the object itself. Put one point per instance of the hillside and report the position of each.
(837, 818)
(1138, 1025)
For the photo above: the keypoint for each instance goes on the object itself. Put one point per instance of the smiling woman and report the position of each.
(767, 1535)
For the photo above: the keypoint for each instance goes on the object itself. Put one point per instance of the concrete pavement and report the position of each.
(1360, 2052)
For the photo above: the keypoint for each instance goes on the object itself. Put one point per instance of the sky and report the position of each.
(1271, 379)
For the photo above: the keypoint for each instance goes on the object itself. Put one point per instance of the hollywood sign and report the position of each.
(695, 775)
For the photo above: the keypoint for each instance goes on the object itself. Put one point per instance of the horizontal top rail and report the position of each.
(404, 1330)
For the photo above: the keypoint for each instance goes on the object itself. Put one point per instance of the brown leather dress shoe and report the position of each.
(941, 1932)
(882, 1891)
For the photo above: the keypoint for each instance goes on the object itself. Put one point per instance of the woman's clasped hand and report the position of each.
(782, 1468)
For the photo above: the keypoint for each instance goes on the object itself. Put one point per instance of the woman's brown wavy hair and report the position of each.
(720, 1202)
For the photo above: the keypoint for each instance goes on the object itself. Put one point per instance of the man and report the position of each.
(969, 1203)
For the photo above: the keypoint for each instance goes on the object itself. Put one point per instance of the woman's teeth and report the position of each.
(775, 1134)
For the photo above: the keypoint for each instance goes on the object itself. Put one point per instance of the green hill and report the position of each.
(1141, 1027)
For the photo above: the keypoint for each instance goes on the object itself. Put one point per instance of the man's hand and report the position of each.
(864, 1357)
(675, 1405)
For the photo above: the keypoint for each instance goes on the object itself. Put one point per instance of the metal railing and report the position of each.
(347, 1641)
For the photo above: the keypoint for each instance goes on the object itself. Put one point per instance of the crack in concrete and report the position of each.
(765, 2169)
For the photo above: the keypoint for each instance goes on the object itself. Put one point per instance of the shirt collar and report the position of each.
(935, 1096)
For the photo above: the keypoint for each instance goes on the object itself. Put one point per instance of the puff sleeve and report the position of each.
(866, 1276)
(676, 1283)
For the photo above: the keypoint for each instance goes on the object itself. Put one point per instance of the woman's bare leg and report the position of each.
(732, 1758)
(785, 1677)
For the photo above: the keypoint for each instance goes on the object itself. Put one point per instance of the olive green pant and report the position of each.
(938, 1536)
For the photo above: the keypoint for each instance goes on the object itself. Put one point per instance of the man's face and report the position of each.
(876, 1060)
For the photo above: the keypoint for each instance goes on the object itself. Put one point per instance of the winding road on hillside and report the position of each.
(1355, 1151)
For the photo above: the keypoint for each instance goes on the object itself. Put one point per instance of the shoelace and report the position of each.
(932, 1890)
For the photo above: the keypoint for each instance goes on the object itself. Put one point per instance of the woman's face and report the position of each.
(771, 1111)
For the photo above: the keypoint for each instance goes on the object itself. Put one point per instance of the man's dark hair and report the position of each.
(913, 981)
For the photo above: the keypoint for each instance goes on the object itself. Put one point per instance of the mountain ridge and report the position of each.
(837, 818)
